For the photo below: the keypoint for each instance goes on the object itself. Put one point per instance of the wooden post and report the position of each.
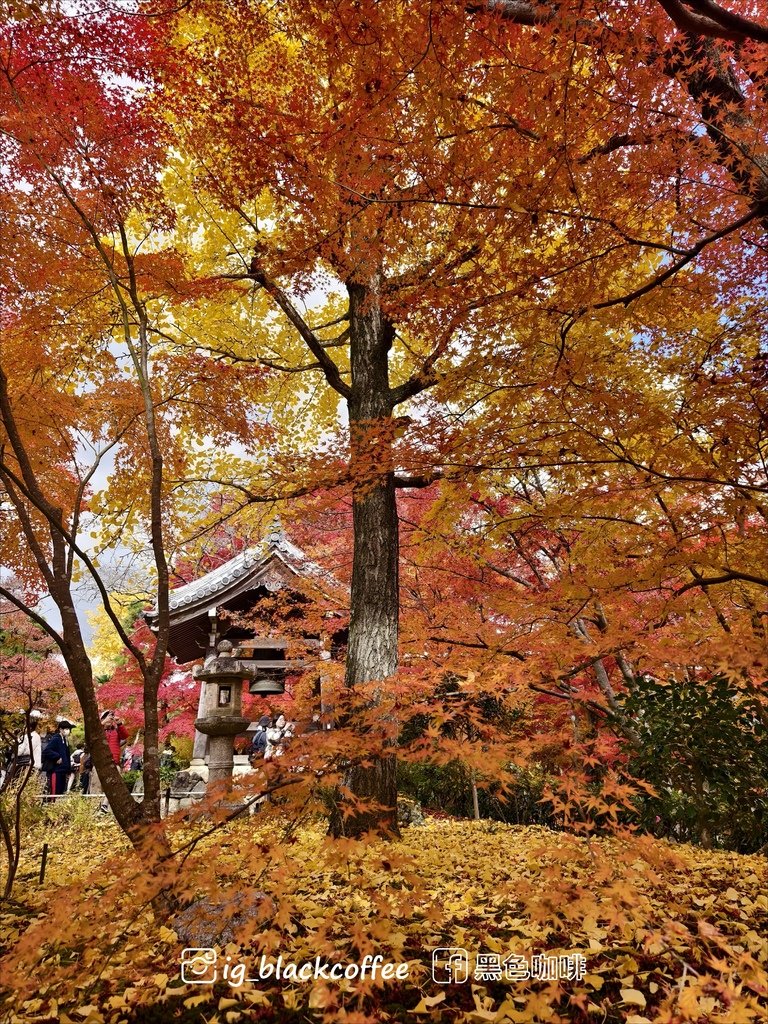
(475, 802)
(43, 862)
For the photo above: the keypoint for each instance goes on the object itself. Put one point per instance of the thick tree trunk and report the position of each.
(373, 629)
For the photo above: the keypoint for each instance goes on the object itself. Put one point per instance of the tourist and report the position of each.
(117, 737)
(116, 733)
(30, 746)
(76, 760)
(86, 767)
(168, 755)
(259, 742)
(315, 725)
(56, 759)
(274, 737)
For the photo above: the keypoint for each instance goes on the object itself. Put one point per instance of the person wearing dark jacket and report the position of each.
(259, 742)
(56, 760)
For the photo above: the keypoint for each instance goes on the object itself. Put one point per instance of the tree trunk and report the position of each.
(374, 602)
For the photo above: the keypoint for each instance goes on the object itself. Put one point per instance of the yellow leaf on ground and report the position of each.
(428, 1002)
(633, 996)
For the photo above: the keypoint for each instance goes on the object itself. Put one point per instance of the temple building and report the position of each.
(275, 584)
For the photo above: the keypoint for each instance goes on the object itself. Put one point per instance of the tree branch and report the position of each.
(33, 615)
(313, 343)
(290, 369)
(714, 21)
(478, 647)
(424, 480)
(729, 575)
(624, 300)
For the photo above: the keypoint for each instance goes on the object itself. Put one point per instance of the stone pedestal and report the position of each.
(186, 789)
(221, 717)
(221, 733)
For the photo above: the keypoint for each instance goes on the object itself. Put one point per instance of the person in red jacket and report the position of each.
(117, 734)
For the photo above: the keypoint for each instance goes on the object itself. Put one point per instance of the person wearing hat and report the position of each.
(116, 733)
(56, 759)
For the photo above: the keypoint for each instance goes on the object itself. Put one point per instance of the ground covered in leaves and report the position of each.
(668, 933)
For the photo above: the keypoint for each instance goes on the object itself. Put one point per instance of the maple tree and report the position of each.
(481, 201)
(96, 412)
(498, 258)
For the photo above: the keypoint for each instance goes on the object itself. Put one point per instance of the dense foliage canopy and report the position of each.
(474, 296)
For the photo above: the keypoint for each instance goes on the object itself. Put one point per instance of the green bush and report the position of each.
(129, 778)
(703, 747)
(515, 797)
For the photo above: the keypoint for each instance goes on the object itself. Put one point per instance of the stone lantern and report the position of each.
(222, 717)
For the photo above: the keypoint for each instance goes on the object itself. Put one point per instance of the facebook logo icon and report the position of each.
(450, 965)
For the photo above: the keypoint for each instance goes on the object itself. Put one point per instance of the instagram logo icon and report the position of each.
(198, 966)
(450, 965)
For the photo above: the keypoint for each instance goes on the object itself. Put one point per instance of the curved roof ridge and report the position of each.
(243, 564)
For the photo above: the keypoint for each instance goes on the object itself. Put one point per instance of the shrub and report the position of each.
(31, 811)
(73, 809)
(703, 748)
(515, 798)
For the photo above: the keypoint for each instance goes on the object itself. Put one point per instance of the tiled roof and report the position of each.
(247, 564)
